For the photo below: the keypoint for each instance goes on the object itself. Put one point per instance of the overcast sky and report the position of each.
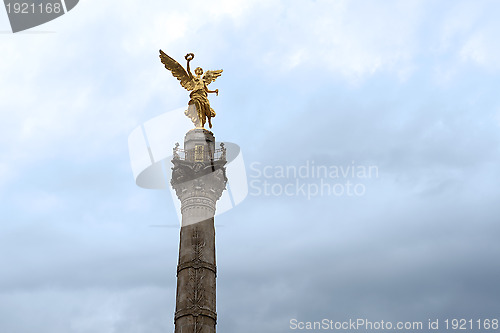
(410, 87)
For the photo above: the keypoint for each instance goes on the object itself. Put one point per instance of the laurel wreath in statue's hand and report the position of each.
(189, 56)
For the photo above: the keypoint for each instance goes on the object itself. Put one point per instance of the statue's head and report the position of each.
(198, 71)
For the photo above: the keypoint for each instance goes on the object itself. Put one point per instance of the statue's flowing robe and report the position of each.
(201, 109)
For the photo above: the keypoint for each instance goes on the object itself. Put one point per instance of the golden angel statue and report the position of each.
(199, 109)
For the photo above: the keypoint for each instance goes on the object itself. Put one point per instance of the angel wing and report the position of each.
(177, 71)
(210, 76)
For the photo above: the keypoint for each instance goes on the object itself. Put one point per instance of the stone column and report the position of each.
(198, 177)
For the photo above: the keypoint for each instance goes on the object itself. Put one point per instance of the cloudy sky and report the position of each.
(410, 87)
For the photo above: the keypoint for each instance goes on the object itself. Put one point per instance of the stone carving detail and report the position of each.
(196, 275)
(176, 151)
(198, 244)
(189, 183)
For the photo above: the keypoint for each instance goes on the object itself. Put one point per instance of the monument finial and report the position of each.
(199, 109)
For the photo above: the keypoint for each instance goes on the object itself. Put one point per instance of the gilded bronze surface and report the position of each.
(199, 109)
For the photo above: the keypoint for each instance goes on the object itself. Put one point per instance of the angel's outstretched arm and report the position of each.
(189, 57)
(216, 91)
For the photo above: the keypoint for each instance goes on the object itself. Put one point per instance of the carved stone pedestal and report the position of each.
(198, 177)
